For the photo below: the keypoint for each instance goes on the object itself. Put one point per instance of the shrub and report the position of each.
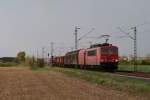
(145, 62)
(21, 56)
(34, 63)
(40, 63)
(124, 62)
(30, 61)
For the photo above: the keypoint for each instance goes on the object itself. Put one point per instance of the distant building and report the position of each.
(131, 57)
(123, 58)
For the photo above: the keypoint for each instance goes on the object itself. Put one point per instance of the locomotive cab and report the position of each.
(109, 56)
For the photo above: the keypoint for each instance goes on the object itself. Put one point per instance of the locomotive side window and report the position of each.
(91, 53)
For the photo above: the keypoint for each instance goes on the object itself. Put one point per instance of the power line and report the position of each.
(101, 36)
(86, 34)
(128, 34)
(78, 39)
(145, 23)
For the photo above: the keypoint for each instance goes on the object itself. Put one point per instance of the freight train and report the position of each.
(103, 56)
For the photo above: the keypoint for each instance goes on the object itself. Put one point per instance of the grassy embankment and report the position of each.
(139, 68)
(134, 86)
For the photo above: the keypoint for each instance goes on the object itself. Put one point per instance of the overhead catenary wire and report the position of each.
(86, 34)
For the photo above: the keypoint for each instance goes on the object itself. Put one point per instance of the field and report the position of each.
(140, 68)
(133, 86)
(22, 83)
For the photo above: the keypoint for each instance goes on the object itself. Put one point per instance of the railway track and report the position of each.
(133, 75)
(128, 74)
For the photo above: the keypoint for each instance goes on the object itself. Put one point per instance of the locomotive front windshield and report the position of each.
(109, 50)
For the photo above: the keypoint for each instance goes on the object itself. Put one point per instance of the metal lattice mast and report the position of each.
(134, 38)
(135, 48)
(76, 37)
(52, 51)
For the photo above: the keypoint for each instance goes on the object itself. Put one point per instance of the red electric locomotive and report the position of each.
(99, 55)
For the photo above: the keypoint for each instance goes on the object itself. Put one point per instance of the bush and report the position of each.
(145, 62)
(40, 63)
(131, 62)
(34, 63)
(124, 62)
(30, 61)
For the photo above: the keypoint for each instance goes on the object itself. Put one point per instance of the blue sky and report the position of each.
(29, 25)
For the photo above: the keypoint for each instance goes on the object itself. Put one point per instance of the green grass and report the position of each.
(134, 86)
(35, 68)
(140, 68)
(8, 64)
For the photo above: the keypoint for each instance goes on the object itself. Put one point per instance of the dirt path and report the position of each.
(23, 84)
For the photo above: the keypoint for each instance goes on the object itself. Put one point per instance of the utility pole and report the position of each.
(52, 50)
(43, 50)
(135, 48)
(37, 54)
(76, 37)
(33, 59)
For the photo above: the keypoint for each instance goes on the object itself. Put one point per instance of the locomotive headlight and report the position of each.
(116, 60)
